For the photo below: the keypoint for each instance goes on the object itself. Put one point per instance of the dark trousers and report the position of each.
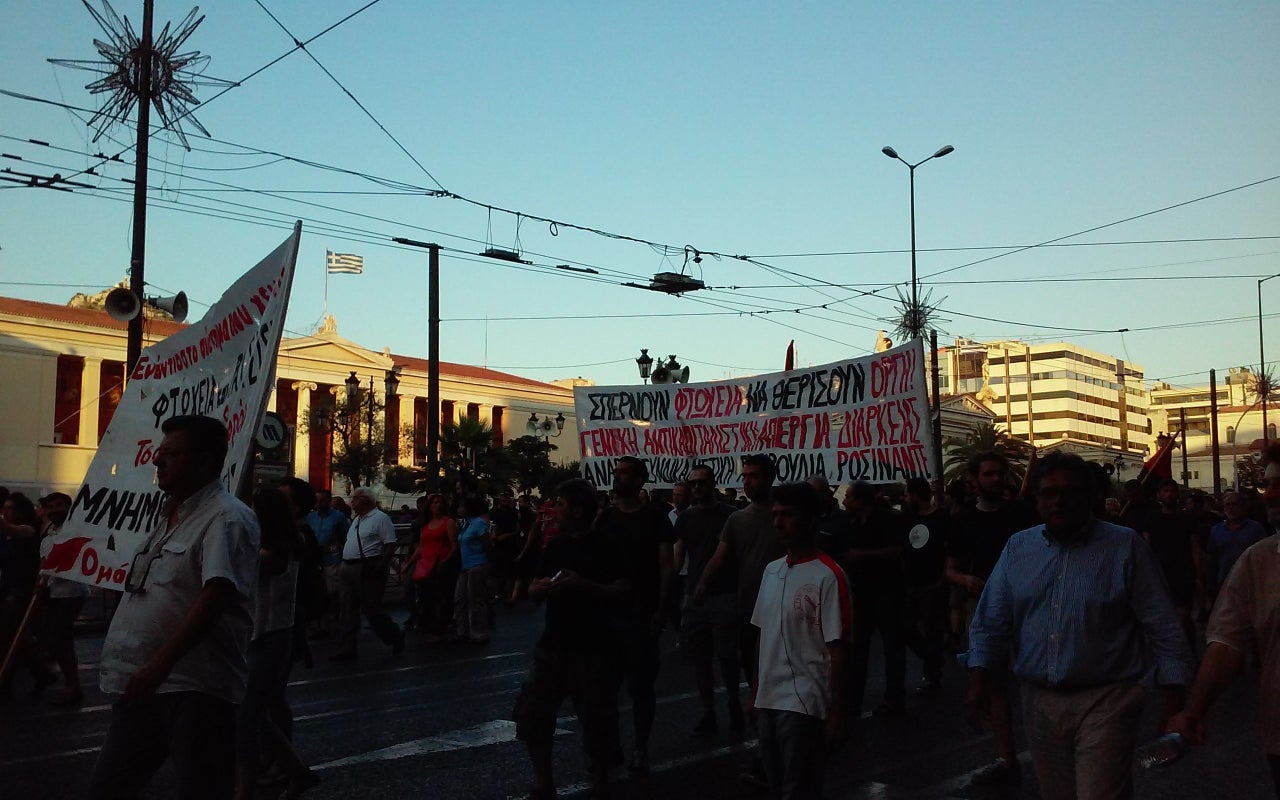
(361, 585)
(794, 750)
(877, 610)
(196, 730)
(926, 626)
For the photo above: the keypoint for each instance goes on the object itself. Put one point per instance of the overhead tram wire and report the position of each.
(671, 250)
(204, 104)
(1014, 247)
(348, 93)
(373, 238)
(293, 215)
(1103, 226)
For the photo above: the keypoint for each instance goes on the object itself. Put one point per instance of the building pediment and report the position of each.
(331, 349)
(966, 403)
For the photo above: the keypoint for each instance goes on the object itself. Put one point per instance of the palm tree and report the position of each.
(985, 437)
(468, 454)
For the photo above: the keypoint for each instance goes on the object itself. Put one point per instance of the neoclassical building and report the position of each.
(62, 369)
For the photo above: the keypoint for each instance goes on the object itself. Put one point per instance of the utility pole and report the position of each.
(1213, 430)
(1123, 405)
(936, 381)
(433, 359)
(138, 256)
(1031, 424)
(1186, 471)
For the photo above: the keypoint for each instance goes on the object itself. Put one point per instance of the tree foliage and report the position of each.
(984, 437)
(532, 456)
(359, 447)
(470, 459)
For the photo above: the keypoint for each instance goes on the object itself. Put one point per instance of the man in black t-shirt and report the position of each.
(978, 536)
(873, 564)
(1171, 533)
(581, 579)
(925, 565)
(708, 628)
(507, 544)
(643, 534)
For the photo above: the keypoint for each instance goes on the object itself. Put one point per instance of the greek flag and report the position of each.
(343, 263)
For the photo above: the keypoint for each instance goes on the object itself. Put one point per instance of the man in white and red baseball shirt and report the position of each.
(804, 615)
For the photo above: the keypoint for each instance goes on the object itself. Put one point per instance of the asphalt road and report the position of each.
(435, 723)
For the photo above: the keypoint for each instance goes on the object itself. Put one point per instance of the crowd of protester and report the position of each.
(1054, 589)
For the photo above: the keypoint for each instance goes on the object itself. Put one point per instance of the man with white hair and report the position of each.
(366, 557)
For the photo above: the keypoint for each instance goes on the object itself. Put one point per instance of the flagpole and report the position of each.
(326, 284)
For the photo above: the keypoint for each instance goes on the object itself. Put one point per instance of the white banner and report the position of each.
(863, 419)
(223, 367)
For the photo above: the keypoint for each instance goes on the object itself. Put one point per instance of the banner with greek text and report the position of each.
(223, 367)
(863, 419)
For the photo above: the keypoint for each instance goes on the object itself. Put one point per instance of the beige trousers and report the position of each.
(1082, 740)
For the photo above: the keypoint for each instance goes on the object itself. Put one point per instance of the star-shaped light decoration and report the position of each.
(913, 321)
(174, 75)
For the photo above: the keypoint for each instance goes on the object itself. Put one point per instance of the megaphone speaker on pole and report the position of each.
(175, 306)
(122, 304)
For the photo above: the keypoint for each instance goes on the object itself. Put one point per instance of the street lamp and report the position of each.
(645, 363)
(915, 323)
(1262, 360)
(541, 428)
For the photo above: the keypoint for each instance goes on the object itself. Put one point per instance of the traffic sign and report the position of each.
(273, 433)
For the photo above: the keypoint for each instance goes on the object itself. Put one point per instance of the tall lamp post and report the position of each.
(915, 323)
(1262, 360)
(645, 363)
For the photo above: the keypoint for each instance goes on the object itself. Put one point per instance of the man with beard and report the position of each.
(925, 555)
(978, 536)
(642, 532)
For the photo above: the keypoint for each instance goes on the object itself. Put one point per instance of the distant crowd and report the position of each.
(1078, 598)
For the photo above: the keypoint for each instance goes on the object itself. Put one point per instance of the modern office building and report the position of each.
(1056, 394)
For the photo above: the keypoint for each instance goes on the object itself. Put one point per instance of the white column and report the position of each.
(406, 418)
(302, 431)
(90, 388)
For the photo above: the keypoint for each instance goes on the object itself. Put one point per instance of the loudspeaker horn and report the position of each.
(122, 304)
(684, 375)
(660, 376)
(175, 306)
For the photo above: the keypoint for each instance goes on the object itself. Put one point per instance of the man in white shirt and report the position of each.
(366, 557)
(176, 647)
(804, 614)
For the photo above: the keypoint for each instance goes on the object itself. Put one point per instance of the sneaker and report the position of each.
(706, 727)
(1000, 771)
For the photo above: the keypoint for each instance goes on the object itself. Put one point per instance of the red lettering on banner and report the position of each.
(708, 402)
(821, 431)
(611, 442)
(893, 374)
(145, 453)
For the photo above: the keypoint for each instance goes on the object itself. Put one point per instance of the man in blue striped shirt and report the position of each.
(1082, 608)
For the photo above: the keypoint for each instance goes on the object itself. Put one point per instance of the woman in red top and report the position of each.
(433, 568)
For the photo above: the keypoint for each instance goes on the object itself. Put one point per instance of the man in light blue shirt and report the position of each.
(330, 527)
(1082, 609)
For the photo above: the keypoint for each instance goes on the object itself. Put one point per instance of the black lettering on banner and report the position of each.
(653, 406)
(123, 509)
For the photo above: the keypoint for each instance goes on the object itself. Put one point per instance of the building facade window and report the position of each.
(66, 404)
(111, 383)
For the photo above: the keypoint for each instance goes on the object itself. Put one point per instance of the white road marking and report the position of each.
(498, 731)
(45, 757)
(347, 676)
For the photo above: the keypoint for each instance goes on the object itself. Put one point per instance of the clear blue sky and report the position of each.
(741, 128)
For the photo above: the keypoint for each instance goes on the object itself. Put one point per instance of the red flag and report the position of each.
(791, 356)
(1160, 466)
